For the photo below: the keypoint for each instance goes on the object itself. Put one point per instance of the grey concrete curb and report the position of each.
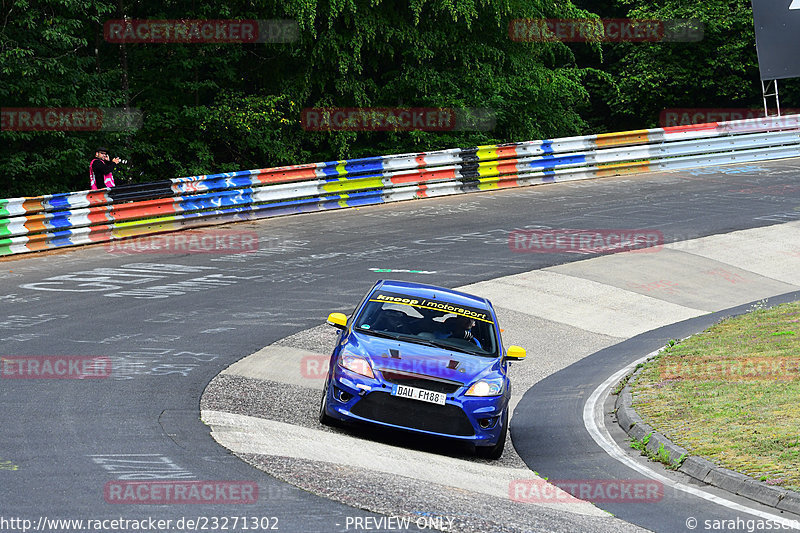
(697, 467)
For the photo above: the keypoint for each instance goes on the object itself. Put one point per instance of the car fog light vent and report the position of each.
(341, 395)
(487, 423)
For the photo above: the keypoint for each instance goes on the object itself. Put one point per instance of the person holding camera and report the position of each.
(101, 168)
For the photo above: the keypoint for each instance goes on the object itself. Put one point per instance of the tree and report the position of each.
(719, 71)
(47, 59)
(218, 107)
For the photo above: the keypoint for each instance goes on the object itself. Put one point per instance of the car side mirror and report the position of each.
(515, 353)
(337, 320)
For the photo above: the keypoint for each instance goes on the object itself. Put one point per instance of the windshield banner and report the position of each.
(437, 305)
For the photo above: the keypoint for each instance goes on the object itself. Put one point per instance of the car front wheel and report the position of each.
(324, 418)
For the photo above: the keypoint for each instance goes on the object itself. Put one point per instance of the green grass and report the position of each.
(661, 455)
(732, 394)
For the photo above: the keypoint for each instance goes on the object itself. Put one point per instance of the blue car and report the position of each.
(423, 359)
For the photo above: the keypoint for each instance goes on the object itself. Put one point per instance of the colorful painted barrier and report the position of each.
(53, 221)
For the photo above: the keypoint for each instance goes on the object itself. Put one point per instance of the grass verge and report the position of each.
(661, 455)
(732, 394)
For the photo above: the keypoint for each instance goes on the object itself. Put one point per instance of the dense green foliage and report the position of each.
(219, 107)
(719, 71)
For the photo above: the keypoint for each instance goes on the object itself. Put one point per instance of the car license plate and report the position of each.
(419, 394)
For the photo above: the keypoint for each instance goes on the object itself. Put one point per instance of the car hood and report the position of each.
(388, 355)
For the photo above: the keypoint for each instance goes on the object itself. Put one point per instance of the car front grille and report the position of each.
(420, 382)
(413, 414)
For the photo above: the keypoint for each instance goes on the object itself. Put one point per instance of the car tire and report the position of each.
(494, 452)
(324, 418)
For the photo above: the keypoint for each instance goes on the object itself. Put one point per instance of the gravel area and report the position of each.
(299, 406)
(319, 339)
(404, 497)
(551, 346)
(265, 399)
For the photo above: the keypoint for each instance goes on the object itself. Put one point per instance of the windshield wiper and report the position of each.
(378, 333)
(399, 337)
(406, 338)
(447, 346)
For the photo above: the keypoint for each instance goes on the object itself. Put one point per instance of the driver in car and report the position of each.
(460, 327)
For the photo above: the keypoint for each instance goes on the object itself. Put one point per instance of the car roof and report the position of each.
(433, 292)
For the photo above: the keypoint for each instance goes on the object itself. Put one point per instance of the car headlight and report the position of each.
(486, 387)
(357, 364)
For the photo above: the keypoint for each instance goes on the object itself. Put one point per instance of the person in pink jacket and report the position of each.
(100, 170)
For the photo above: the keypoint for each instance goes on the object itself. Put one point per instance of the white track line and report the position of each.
(593, 420)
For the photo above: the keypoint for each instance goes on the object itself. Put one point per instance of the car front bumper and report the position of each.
(352, 397)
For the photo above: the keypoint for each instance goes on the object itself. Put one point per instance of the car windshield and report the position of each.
(432, 322)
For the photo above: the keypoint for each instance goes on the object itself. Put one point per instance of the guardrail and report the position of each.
(70, 219)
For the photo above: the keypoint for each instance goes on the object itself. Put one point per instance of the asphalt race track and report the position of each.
(171, 322)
